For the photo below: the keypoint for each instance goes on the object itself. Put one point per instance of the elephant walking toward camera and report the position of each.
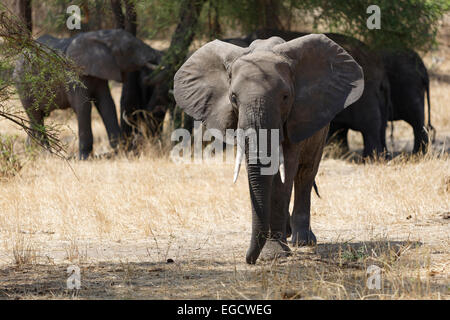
(102, 55)
(294, 88)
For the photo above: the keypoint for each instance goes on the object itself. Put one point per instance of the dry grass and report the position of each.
(121, 220)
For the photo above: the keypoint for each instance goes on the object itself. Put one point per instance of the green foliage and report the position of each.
(154, 17)
(95, 14)
(404, 23)
(250, 15)
(157, 17)
(44, 71)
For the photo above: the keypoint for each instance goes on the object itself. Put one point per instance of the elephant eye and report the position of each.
(285, 97)
(233, 99)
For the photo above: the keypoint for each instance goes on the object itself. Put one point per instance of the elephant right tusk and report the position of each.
(151, 66)
(282, 172)
(237, 165)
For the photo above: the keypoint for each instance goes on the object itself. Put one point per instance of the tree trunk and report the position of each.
(25, 13)
(270, 11)
(175, 55)
(116, 6)
(215, 31)
(130, 17)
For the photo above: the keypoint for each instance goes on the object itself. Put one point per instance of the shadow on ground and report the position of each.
(328, 270)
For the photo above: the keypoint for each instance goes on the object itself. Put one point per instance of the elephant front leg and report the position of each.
(311, 154)
(83, 110)
(85, 131)
(276, 246)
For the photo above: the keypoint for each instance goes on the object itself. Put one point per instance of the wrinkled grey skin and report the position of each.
(102, 55)
(408, 79)
(369, 114)
(296, 87)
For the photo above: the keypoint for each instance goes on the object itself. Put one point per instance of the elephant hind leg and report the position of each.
(414, 115)
(420, 139)
(372, 144)
(417, 121)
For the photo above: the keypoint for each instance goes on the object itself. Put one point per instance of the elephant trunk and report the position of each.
(260, 187)
(257, 149)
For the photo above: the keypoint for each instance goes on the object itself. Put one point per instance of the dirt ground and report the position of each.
(146, 227)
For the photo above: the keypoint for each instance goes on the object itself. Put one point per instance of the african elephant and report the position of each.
(137, 105)
(369, 114)
(292, 88)
(406, 83)
(102, 55)
(408, 79)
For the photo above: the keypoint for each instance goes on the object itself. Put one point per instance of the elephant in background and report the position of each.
(408, 80)
(367, 115)
(136, 105)
(294, 88)
(102, 55)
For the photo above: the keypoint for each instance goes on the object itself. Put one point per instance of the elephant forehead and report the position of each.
(265, 44)
(261, 62)
(261, 73)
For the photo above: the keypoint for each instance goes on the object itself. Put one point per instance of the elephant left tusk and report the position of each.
(282, 172)
(237, 165)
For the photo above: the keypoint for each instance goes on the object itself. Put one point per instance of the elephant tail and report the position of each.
(316, 189)
(430, 128)
(388, 108)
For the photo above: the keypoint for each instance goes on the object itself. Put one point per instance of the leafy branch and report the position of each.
(46, 70)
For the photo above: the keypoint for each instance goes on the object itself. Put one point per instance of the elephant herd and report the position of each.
(293, 83)
(395, 86)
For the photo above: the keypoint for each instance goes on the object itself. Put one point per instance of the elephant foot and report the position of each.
(84, 155)
(303, 238)
(274, 249)
(288, 229)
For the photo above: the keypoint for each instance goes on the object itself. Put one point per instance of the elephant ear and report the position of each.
(201, 85)
(327, 79)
